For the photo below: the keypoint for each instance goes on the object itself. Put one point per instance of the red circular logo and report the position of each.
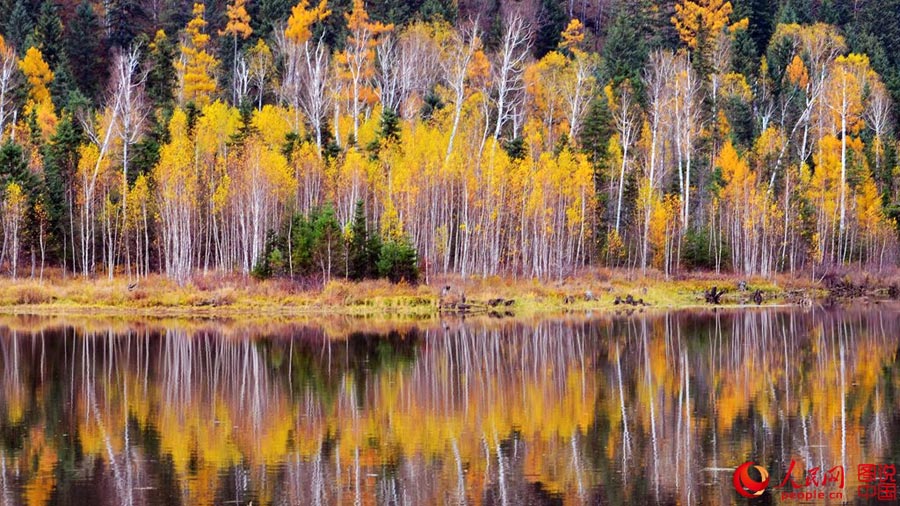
(747, 486)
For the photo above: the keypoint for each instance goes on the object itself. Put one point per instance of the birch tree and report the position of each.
(627, 123)
(307, 66)
(176, 186)
(260, 67)
(656, 80)
(238, 26)
(129, 117)
(688, 122)
(9, 80)
(13, 213)
(509, 69)
(457, 52)
(358, 57)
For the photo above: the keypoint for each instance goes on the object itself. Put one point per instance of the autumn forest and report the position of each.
(394, 139)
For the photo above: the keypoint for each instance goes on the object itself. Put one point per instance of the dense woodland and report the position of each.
(388, 138)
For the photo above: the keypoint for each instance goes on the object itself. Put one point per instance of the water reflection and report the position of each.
(609, 410)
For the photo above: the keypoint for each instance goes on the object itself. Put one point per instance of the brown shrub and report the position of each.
(31, 294)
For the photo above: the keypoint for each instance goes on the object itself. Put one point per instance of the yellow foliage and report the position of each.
(738, 178)
(14, 197)
(544, 81)
(139, 199)
(38, 75)
(45, 114)
(768, 146)
(197, 65)
(700, 18)
(238, 20)
(215, 127)
(797, 73)
(264, 167)
(868, 206)
(174, 175)
(273, 125)
(480, 66)
(302, 18)
(735, 85)
(740, 25)
(847, 84)
(573, 35)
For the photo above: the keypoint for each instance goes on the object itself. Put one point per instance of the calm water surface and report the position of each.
(641, 409)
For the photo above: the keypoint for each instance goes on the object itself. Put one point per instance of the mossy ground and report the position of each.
(239, 296)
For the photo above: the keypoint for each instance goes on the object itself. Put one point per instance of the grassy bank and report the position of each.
(237, 296)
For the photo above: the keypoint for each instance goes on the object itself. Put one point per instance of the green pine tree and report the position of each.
(87, 59)
(625, 51)
(18, 26)
(60, 163)
(439, 10)
(48, 34)
(328, 245)
(356, 251)
(398, 261)
(161, 76)
(267, 15)
(743, 54)
(124, 19)
(398, 12)
(14, 168)
(761, 16)
(551, 22)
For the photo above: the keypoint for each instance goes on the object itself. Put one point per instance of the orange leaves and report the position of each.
(197, 66)
(824, 186)
(196, 28)
(797, 73)
(735, 85)
(174, 175)
(264, 169)
(664, 228)
(739, 180)
(238, 20)
(302, 18)
(544, 81)
(819, 44)
(869, 212)
(362, 39)
(700, 19)
(38, 74)
(826, 178)
(358, 22)
(749, 218)
(358, 58)
(847, 85)
(572, 36)
(479, 67)
(273, 124)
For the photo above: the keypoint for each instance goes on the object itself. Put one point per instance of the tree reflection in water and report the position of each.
(648, 408)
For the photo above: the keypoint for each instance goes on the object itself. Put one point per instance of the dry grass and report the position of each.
(224, 295)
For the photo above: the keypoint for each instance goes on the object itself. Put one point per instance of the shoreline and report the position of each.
(237, 297)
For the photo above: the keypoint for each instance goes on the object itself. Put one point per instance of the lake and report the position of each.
(615, 409)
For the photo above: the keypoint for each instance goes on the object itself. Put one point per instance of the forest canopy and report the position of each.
(391, 138)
